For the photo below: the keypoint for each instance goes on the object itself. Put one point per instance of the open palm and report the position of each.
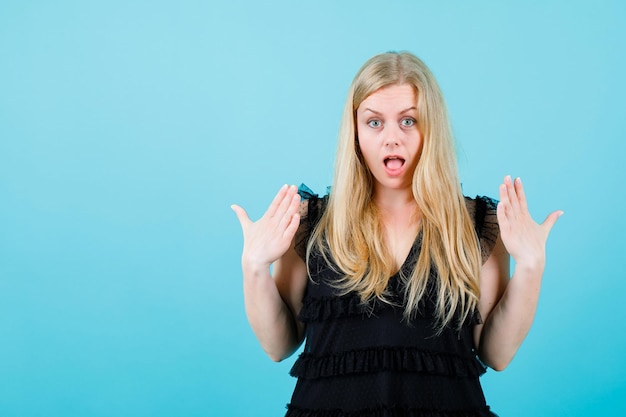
(269, 238)
(523, 238)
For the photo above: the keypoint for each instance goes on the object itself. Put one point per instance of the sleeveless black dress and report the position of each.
(368, 361)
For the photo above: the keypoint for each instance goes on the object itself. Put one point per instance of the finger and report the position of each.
(521, 194)
(549, 222)
(295, 203)
(242, 216)
(504, 197)
(292, 227)
(512, 195)
(285, 204)
(504, 203)
(503, 219)
(292, 209)
(275, 204)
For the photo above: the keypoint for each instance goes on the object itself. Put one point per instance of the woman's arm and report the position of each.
(508, 306)
(272, 302)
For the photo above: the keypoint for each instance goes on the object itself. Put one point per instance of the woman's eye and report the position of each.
(374, 123)
(408, 122)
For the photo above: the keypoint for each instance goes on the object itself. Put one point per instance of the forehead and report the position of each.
(392, 97)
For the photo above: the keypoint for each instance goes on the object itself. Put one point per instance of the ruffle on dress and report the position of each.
(483, 210)
(318, 309)
(390, 412)
(336, 307)
(379, 359)
(306, 193)
(311, 209)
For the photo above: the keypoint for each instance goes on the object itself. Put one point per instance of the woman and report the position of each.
(398, 282)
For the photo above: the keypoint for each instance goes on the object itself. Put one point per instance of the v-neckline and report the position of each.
(415, 246)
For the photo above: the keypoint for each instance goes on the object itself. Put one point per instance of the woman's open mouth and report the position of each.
(393, 165)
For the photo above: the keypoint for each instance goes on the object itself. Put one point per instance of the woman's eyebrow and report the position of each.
(402, 112)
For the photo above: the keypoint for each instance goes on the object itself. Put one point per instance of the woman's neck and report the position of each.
(394, 201)
(397, 208)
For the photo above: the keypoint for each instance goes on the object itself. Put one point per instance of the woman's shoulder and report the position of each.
(483, 212)
(312, 206)
(480, 206)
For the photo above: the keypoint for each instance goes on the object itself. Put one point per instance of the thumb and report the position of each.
(242, 216)
(549, 222)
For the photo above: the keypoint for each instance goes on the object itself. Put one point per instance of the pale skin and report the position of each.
(507, 303)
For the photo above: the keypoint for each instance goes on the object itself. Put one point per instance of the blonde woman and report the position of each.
(399, 284)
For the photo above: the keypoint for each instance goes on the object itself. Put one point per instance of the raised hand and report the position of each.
(267, 239)
(523, 238)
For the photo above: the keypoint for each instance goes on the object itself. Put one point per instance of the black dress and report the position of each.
(368, 361)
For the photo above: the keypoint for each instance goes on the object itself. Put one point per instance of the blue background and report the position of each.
(127, 128)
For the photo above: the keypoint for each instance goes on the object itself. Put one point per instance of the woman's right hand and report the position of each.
(267, 239)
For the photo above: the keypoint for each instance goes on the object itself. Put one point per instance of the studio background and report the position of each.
(128, 128)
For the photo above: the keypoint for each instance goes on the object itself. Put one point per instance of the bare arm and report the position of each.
(272, 302)
(508, 306)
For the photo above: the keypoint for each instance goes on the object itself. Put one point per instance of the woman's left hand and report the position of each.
(523, 238)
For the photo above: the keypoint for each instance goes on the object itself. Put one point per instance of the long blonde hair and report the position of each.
(350, 233)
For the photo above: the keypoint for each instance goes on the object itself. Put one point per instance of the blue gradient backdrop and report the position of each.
(127, 128)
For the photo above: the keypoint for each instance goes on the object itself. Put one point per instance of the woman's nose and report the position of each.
(391, 137)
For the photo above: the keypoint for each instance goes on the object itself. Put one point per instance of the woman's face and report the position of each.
(389, 138)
